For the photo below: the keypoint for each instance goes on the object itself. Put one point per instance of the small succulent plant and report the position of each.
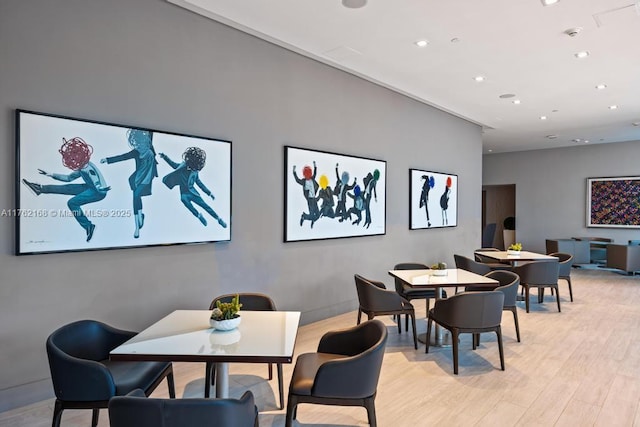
(515, 247)
(226, 310)
(439, 266)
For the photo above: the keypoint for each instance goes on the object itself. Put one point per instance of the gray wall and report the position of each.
(551, 188)
(151, 64)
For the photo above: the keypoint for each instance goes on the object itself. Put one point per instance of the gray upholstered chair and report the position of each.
(468, 312)
(136, 410)
(410, 293)
(464, 263)
(344, 371)
(250, 302)
(540, 275)
(509, 283)
(492, 263)
(376, 300)
(564, 268)
(83, 376)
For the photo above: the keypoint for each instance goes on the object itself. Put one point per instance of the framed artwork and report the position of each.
(85, 185)
(613, 202)
(329, 195)
(433, 199)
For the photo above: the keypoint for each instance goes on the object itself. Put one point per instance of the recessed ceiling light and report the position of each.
(455, 40)
(516, 101)
(354, 4)
(491, 151)
(586, 141)
(552, 136)
(422, 43)
(479, 78)
(581, 54)
(601, 86)
(613, 107)
(576, 140)
(543, 117)
(636, 123)
(549, 2)
(506, 96)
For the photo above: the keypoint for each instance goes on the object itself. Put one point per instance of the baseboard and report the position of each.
(25, 394)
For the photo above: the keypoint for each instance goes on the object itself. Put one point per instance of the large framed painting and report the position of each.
(87, 185)
(613, 202)
(330, 195)
(433, 199)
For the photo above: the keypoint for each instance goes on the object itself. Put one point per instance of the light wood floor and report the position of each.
(580, 367)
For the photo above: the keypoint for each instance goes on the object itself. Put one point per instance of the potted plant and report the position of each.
(225, 316)
(514, 249)
(439, 269)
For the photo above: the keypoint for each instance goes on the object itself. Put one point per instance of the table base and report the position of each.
(445, 341)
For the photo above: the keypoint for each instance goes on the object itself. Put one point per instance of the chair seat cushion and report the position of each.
(128, 376)
(304, 373)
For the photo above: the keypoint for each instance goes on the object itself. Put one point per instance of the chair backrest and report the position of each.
(539, 272)
(481, 258)
(249, 301)
(565, 262)
(373, 296)
(509, 282)
(73, 350)
(468, 264)
(135, 410)
(407, 266)
(364, 345)
(471, 309)
(488, 235)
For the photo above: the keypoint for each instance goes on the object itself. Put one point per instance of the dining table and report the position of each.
(186, 336)
(437, 280)
(514, 259)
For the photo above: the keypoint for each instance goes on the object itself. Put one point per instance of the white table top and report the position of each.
(454, 277)
(185, 335)
(524, 256)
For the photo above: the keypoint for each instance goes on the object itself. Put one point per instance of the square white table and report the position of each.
(503, 256)
(186, 336)
(426, 279)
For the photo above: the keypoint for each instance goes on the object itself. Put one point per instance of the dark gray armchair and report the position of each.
(252, 302)
(540, 275)
(464, 263)
(410, 293)
(83, 376)
(376, 300)
(468, 312)
(344, 371)
(509, 283)
(565, 262)
(135, 410)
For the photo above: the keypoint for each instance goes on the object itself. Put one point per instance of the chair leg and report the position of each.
(427, 299)
(280, 385)
(171, 385)
(94, 417)
(371, 411)
(526, 297)
(454, 339)
(429, 322)
(57, 414)
(406, 323)
(514, 310)
(499, 334)
(557, 297)
(400, 325)
(568, 279)
(208, 379)
(291, 410)
(413, 326)
(270, 371)
(540, 295)
(359, 316)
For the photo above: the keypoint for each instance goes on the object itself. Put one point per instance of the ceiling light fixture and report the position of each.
(613, 107)
(636, 123)
(581, 55)
(576, 140)
(552, 136)
(354, 4)
(422, 43)
(506, 96)
(549, 2)
(516, 101)
(543, 117)
(479, 78)
(601, 86)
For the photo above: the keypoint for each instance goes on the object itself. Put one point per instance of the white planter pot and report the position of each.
(225, 325)
(439, 272)
(511, 252)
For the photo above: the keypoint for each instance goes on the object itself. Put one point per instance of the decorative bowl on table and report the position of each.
(225, 324)
(512, 252)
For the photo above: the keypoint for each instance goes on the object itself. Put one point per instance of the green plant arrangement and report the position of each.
(439, 266)
(227, 310)
(515, 247)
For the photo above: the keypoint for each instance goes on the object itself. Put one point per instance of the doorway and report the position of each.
(498, 203)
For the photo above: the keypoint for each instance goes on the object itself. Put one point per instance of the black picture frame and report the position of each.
(357, 209)
(427, 211)
(86, 185)
(613, 202)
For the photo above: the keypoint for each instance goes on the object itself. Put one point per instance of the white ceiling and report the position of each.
(519, 46)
